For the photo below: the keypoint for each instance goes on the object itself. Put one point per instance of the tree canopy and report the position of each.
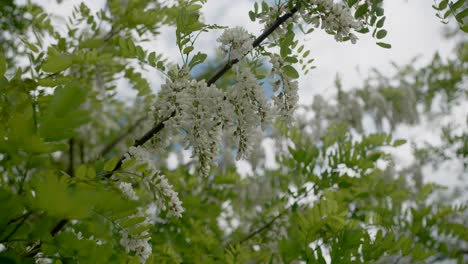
(85, 177)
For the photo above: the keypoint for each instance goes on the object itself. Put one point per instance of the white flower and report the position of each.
(269, 17)
(250, 110)
(141, 155)
(335, 18)
(155, 181)
(127, 189)
(174, 204)
(287, 98)
(236, 42)
(138, 243)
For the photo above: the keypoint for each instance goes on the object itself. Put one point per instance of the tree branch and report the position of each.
(148, 135)
(280, 20)
(21, 220)
(71, 153)
(121, 137)
(158, 127)
(269, 223)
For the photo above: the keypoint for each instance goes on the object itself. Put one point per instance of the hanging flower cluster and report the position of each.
(132, 240)
(134, 229)
(198, 111)
(286, 88)
(250, 109)
(202, 113)
(334, 18)
(268, 18)
(154, 181)
(236, 42)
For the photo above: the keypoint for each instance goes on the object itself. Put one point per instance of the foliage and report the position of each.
(84, 174)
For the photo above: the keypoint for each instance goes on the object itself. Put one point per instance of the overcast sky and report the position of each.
(412, 25)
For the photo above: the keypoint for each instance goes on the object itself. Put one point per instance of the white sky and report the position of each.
(413, 29)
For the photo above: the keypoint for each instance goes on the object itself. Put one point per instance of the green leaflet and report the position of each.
(63, 114)
(290, 71)
(55, 63)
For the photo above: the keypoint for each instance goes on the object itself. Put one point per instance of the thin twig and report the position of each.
(264, 227)
(255, 44)
(269, 223)
(22, 220)
(121, 137)
(147, 136)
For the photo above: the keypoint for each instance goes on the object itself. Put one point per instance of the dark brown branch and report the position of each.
(82, 151)
(142, 140)
(21, 220)
(71, 153)
(255, 44)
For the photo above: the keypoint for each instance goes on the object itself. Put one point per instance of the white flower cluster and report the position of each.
(202, 113)
(286, 99)
(141, 156)
(138, 243)
(268, 18)
(154, 182)
(198, 111)
(166, 199)
(250, 109)
(128, 191)
(335, 18)
(236, 42)
(40, 259)
(166, 192)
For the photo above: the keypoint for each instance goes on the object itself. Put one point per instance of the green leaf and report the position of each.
(464, 28)
(290, 71)
(197, 59)
(54, 64)
(352, 2)
(110, 164)
(384, 45)
(2, 65)
(379, 11)
(381, 34)
(399, 142)
(80, 173)
(362, 9)
(456, 5)
(460, 16)
(381, 22)
(252, 16)
(63, 114)
(152, 59)
(188, 49)
(54, 195)
(31, 46)
(443, 4)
